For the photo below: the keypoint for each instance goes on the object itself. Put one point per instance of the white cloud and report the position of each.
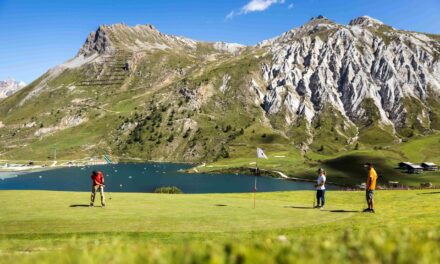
(290, 6)
(254, 6)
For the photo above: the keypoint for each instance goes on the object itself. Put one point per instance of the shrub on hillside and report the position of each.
(168, 189)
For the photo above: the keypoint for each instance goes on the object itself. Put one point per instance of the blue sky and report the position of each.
(36, 35)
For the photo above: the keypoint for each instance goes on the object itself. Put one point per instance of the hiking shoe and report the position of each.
(103, 206)
(91, 205)
(321, 207)
(317, 206)
(372, 211)
(366, 210)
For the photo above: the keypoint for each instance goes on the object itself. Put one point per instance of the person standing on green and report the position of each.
(320, 188)
(97, 184)
(370, 187)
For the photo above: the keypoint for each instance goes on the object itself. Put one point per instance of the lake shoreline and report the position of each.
(193, 170)
(76, 163)
(266, 173)
(145, 178)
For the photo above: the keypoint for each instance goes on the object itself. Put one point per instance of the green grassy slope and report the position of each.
(203, 228)
(343, 168)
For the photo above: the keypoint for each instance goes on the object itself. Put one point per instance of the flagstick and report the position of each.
(255, 179)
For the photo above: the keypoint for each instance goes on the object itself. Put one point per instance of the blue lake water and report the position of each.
(145, 177)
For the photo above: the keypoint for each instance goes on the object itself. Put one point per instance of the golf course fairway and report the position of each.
(45, 226)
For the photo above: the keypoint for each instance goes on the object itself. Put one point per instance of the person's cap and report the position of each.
(94, 172)
(320, 170)
(368, 164)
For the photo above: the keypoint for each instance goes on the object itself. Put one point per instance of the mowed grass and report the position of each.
(42, 226)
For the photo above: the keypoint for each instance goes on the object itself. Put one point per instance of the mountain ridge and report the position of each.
(322, 87)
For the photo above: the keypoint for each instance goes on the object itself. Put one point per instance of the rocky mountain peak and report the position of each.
(365, 21)
(109, 38)
(359, 71)
(320, 17)
(9, 87)
(151, 27)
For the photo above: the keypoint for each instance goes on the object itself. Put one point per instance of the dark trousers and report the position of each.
(320, 197)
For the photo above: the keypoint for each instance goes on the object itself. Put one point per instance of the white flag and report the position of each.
(260, 154)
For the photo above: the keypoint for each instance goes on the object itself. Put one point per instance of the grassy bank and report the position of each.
(344, 168)
(48, 226)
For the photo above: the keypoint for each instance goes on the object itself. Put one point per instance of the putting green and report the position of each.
(161, 228)
(46, 212)
(30, 212)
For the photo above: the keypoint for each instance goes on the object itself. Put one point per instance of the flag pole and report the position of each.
(255, 179)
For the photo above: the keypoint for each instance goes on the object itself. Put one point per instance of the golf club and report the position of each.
(109, 195)
(365, 203)
(314, 199)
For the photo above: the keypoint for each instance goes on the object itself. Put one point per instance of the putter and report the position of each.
(365, 204)
(109, 194)
(314, 199)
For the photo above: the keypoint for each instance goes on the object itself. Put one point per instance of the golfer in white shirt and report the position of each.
(320, 188)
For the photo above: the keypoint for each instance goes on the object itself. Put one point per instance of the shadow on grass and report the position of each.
(353, 165)
(342, 211)
(79, 205)
(220, 205)
(299, 207)
(428, 193)
(331, 211)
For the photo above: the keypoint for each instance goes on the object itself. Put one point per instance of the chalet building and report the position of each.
(429, 166)
(405, 165)
(415, 169)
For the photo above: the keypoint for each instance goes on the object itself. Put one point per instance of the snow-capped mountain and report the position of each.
(9, 87)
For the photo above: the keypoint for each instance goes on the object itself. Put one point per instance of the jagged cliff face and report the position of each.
(109, 39)
(353, 69)
(136, 92)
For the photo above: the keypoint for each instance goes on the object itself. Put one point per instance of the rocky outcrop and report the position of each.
(233, 48)
(109, 39)
(346, 67)
(225, 85)
(66, 122)
(365, 21)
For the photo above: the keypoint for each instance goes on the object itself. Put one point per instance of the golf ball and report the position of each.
(40, 176)
(130, 177)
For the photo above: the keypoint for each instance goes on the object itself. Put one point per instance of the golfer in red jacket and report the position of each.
(98, 183)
